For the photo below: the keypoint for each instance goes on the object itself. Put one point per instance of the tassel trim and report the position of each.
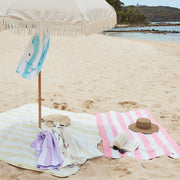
(1, 23)
(55, 28)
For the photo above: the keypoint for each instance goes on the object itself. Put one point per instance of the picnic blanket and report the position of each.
(151, 145)
(19, 128)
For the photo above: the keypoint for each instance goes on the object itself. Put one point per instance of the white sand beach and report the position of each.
(93, 74)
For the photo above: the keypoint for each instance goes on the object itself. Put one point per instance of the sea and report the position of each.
(162, 37)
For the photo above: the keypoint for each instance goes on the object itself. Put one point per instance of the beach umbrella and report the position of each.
(4, 5)
(58, 17)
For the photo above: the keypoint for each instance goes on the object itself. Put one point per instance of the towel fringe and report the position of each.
(55, 28)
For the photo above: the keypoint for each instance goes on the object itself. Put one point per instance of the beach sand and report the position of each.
(96, 74)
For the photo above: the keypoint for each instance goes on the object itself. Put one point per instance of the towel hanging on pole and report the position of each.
(34, 55)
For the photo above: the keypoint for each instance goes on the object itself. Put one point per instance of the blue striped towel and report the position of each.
(34, 56)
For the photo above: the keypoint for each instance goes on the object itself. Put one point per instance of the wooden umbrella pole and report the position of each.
(39, 99)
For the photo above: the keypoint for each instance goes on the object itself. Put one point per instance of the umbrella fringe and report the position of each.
(55, 28)
(1, 23)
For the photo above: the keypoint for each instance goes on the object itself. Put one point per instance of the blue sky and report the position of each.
(172, 3)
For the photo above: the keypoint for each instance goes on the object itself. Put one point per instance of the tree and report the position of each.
(132, 16)
(127, 14)
(117, 5)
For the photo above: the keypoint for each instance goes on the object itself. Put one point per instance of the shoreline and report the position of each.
(118, 27)
(144, 31)
(143, 25)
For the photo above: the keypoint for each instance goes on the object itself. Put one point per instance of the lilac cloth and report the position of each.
(47, 150)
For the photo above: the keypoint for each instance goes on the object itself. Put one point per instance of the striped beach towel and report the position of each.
(47, 151)
(19, 128)
(151, 145)
(34, 56)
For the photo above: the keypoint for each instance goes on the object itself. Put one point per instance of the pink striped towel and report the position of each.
(151, 145)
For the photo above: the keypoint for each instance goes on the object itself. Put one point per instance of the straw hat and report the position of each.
(144, 125)
(63, 120)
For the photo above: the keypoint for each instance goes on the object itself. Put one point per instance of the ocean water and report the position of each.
(165, 22)
(168, 37)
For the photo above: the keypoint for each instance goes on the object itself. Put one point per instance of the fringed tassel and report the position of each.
(60, 29)
(1, 24)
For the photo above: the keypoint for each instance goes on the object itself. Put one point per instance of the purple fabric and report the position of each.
(47, 150)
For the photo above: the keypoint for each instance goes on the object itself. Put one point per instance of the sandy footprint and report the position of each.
(56, 105)
(122, 171)
(64, 106)
(173, 120)
(129, 104)
(150, 165)
(89, 104)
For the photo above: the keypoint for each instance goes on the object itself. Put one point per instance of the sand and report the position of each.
(97, 74)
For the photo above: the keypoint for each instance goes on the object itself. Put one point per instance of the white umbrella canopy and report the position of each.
(4, 5)
(61, 17)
